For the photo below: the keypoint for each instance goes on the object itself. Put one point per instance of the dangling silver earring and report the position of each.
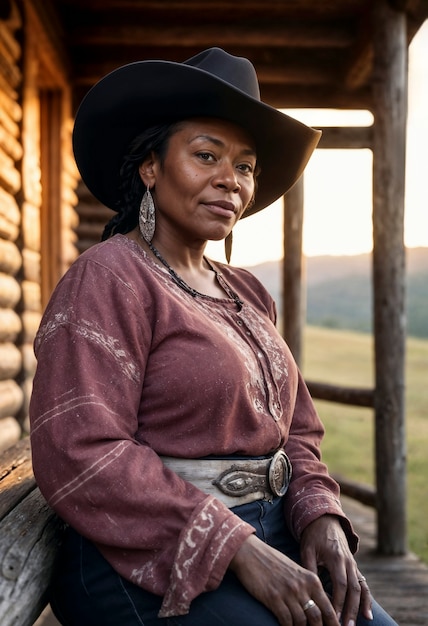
(146, 217)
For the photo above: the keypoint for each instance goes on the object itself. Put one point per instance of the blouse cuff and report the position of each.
(205, 549)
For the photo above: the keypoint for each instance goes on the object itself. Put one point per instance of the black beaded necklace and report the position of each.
(193, 292)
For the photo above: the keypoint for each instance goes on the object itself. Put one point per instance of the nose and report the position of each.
(227, 177)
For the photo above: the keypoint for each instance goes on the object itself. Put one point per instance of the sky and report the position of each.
(337, 186)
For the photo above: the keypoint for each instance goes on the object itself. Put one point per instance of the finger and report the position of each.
(340, 589)
(309, 560)
(327, 612)
(353, 599)
(282, 614)
(366, 598)
(311, 612)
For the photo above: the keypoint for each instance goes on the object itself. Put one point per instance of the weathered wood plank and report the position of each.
(29, 539)
(19, 456)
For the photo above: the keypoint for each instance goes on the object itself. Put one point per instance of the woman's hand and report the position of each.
(282, 585)
(324, 545)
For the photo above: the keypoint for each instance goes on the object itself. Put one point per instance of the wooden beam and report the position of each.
(308, 8)
(287, 35)
(390, 100)
(292, 271)
(339, 137)
(353, 396)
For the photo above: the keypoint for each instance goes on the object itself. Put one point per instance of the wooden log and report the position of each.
(389, 275)
(29, 362)
(11, 398)
(9, 70)
(68, 194)
(10, 145)
(31, 296)
(10, 43)
(10, 361)
(30, 325)
(29, 540)
(10, 257)
(344, 395)
(10, 325)
(10, 178)
(10, 460)
(365, 494)
(30, 534)
(7, 88)
(31, 265)
(9, 208)
(10, 433)
(10, 106)
(84, 244)
(292, 270)
(8, 230)
(90, 230)
(15, 469)
(9, 124)
(71, 218)
(92, 212)
(31, 226)
(23, 415)
(345, 137)
(10, 291)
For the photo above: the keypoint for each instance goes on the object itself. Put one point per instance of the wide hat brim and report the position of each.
(136, 96)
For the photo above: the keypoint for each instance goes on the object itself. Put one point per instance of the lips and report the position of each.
(223, 206)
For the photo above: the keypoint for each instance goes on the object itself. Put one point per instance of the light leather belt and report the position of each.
(236, 481)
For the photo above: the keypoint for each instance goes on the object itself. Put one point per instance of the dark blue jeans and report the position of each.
(88, 592)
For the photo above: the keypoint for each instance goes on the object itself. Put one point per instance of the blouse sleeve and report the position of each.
(312, 491)
(155, 529)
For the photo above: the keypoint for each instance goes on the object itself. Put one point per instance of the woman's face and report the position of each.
(206, 180)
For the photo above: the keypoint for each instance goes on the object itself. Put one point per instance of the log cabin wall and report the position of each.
(37, 198)
(11, 394)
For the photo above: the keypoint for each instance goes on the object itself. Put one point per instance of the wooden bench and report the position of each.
(30, 535)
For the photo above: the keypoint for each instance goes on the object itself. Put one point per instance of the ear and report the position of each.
(147, 171)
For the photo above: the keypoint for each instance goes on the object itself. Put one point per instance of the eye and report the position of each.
(205, 156)
(247, 168)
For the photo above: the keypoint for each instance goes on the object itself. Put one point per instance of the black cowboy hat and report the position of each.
(211, 84)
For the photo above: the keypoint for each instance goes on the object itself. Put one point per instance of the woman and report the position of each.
(171, 429)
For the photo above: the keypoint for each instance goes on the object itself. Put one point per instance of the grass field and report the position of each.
(340, 357)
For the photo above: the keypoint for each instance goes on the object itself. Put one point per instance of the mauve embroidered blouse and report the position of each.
(130, 367)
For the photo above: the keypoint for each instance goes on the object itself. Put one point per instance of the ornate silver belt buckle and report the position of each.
(279, 474)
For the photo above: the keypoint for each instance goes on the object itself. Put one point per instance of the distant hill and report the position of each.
(339, 290)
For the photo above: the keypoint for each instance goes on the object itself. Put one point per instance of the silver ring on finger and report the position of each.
(362, 579)
(308, 605)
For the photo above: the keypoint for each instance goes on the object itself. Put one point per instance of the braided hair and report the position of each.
(154, 139)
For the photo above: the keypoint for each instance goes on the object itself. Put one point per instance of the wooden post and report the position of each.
(390, 107)
(292, 271)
